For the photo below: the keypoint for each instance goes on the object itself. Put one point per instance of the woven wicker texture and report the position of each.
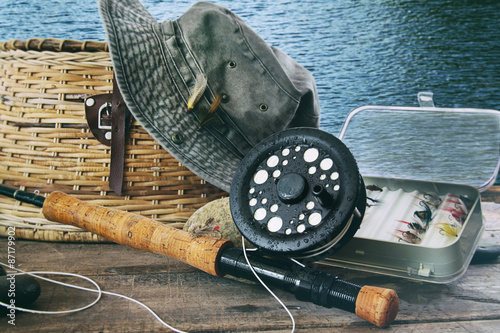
(45, 143)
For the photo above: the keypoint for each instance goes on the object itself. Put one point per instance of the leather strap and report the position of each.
(109, 119)
(120, 113)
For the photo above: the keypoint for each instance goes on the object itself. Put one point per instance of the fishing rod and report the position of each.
(218, 257)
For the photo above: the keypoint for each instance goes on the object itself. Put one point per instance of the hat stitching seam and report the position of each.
(157, 132)
(231, 124)
(145, 123)
(158, 39)
(119, 57)
(217, 179)
(263, 65)
(164, 58)
(201, 167)
(178, 72)
(226, 142)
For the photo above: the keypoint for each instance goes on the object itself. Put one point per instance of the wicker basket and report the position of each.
(45, 143)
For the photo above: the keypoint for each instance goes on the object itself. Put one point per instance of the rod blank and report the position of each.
(31, 198)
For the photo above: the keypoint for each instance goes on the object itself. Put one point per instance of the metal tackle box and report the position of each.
(424, 168)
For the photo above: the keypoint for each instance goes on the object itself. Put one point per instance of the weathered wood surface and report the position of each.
(195, 301)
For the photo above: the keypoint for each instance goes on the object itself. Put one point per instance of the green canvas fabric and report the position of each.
(156, 65)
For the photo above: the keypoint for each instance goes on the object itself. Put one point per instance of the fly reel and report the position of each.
(298, 193)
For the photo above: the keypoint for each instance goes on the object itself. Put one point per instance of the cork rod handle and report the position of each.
(378, 306)
(136, 231)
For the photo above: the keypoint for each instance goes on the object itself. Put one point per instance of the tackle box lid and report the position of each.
(428, 143)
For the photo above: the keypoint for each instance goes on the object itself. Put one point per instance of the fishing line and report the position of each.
(297, 262)
(265, 286)
(97, 290)
(327, 247)
(100, 292)
(34, 274)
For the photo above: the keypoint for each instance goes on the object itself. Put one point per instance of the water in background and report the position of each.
(360, 52)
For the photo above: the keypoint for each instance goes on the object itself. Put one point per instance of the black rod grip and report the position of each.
(378, 306)
(305, 283)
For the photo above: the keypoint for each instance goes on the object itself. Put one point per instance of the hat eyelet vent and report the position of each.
(263, 107)
(177, 138)
(231, 64)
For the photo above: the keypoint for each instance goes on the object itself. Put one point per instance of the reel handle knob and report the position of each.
(323, 197)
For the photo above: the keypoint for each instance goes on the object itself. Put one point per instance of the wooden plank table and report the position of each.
(194, 301)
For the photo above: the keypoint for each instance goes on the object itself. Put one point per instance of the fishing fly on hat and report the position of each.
(239, 89)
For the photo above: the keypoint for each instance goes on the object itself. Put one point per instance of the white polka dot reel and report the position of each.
(298, 193)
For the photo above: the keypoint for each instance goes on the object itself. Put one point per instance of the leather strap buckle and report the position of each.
(98, 109)
(109, 120)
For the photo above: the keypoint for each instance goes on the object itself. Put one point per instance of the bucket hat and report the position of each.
(240, 89)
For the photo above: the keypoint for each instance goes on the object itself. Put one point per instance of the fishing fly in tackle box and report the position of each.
(424, 168)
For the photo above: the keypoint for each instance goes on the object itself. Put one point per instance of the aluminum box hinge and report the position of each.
(425, 270)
